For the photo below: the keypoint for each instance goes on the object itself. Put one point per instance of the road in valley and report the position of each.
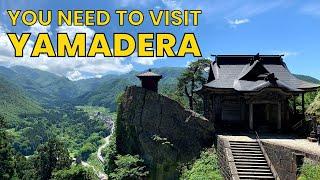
(106, 143)
(102, 175)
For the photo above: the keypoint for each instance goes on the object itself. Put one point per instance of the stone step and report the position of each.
(248, 154)
(252, 167)
(266, 169)
(243, 142)
(252, 163)
(242, 145)
(256, 173)
(247, 157)
(246, 146)
(251, 147)
(250, 160)
(244, 151)
(256, 177)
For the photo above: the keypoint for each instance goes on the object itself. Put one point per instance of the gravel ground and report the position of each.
(286, 141)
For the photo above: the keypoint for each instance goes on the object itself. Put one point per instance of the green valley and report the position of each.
(42, 108)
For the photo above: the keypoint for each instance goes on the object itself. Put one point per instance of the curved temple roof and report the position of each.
(149, 73)
(254, 73)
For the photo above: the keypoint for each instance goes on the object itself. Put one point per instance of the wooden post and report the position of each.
(294, 105)
(303, 108)
(279, 116)
(251, 116)
(206, 106)
(243, 110)
(267, 112)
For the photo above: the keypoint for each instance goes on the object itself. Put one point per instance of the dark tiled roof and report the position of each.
(249, 73)
(149, 73)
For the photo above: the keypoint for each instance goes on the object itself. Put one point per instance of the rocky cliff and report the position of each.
(161, 131)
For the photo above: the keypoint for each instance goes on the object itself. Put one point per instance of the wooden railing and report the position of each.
(298, 125)
(273, 170)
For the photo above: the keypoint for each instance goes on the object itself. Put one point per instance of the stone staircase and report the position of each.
(250, 161)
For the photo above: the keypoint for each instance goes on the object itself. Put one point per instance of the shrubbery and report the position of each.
(77, 172)
(204, 168)
(310, 172)
(128, 167)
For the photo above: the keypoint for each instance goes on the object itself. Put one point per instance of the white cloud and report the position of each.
(188, 63)
(74, 75)
(74, 68)
(173, 4)
(72, 30)
(286, 53)
(134, 3)
(38, 28)
(145, 60)
(311, 9)
(98, 76)
(236, 22)
(6, 49)
(250, 9)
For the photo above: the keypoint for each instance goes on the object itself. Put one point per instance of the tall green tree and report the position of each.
(77, 172)
(6, 153)
(191, 79)
(24, 167)
(51, 157)
(129, 167)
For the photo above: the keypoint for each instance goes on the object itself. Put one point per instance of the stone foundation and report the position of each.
(287, 161)
(225, 159)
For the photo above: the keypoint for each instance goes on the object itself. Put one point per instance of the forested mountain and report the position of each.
(308, 78)
(110, 86)
(39, 105)
(14, 103)
(52, 90)
(44, 87)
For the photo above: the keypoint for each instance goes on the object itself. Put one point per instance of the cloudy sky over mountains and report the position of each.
(288, 27)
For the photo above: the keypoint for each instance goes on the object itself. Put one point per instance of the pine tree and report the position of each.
(191, 79)
(51, 157)
(6, 153)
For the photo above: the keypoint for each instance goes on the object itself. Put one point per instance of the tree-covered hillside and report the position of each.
(14, 103)
(52, 90)
(44, 87)
(39, 106)
(314, 107)
(111, 86)
(307, 78)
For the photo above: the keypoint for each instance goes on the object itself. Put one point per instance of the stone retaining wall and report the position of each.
(225, 159)
(285, 160)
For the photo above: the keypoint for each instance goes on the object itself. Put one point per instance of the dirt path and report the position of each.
(106, 143)
(101, 175)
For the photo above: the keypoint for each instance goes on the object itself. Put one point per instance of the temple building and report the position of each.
(149, 80)
(253, 92)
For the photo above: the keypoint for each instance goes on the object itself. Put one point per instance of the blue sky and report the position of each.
(288, 27)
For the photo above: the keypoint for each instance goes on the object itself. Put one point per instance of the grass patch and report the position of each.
(310, 171)
(94, 161)
(94, 111)
(204, 168)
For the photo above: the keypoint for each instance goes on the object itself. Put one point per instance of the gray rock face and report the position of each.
(161, 131)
